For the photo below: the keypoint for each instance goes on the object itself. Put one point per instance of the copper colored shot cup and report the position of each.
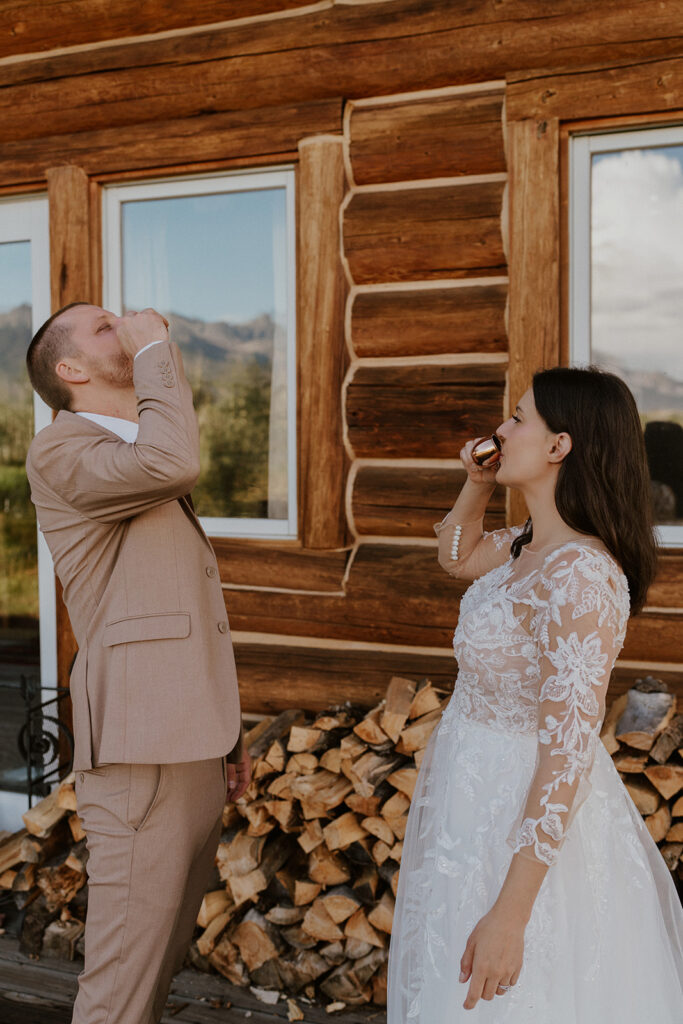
(486, 449)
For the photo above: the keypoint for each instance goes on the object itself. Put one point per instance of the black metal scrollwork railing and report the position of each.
(46, 743)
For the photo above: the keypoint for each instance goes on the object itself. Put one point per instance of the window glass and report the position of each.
(19, 602)
(218, 264)
(627, 298)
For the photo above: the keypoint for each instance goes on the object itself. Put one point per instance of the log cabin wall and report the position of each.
(419, 130)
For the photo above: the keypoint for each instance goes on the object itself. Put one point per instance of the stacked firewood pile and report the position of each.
(307, 868)
(644, 735)
(311, 855)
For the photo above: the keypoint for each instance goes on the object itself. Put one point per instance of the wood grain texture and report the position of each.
(667, 589)
(260, 563)
(68, 192)
(203, 137)
(29, 27)
(323, 357)
(654, 634)
(625, 88)
(351, 50)
(534, 304)
(271, 674)
(395, 594)
(422, 411)
(425, 233)
(69, 201)
(431, 137)
(430, 321)
(406, 502)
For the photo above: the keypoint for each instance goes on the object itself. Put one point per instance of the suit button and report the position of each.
(222, 627)
(210, 571)
(81, 777)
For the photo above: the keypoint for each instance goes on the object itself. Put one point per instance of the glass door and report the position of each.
(28, 648)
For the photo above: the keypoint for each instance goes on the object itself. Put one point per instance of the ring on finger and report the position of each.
(502, 989)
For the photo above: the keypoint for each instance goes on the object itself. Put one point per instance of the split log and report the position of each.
(61, 937)
(256, 939)
(371, 732)
(668, 741)
(382, 915)
(671, 852)
(341, 902)
(207, 940)
(399, 699)
(284, 916)
(658, 824)
(366, 884)
(646, 799)
(326, 867)
(343, 831)
(404, 780)
(305, 892)
(380, 828)
(646, 715)
(311, 835)
(41, 819)
(416, 736)
(628, 762)
(320, 924)
(426, 699)
(358, 927)
(666, 778)
(228, 962)
(213, 904)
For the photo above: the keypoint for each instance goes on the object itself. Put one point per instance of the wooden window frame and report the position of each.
(280, 176)
(543, 110)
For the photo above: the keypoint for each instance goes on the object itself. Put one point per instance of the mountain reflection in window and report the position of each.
(637, 299)
(216, 266)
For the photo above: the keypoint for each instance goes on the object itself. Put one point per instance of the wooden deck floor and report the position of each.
(42, 992)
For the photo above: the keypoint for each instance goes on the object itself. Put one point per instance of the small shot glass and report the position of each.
(486, 449)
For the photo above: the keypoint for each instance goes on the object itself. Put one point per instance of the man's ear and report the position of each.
(561, 448)
(71, 373)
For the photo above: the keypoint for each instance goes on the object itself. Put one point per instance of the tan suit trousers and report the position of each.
(152, 834)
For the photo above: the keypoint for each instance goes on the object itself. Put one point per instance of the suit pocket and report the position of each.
(143, 793)
(134, 628)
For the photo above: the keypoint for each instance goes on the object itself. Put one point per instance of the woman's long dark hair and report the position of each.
(603, 486)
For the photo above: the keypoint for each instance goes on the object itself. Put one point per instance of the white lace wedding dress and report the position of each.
(516, 765)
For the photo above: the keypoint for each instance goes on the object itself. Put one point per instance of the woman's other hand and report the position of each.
(485, 474)
(493, 956)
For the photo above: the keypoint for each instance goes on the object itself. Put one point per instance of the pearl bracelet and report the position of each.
(456, 543)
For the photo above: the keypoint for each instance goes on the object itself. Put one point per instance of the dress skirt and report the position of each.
(604, 944)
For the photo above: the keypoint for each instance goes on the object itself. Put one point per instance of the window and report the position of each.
(216, 255)
(626, 291)
(28, 643)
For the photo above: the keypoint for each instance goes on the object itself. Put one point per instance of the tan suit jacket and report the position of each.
(154, 681)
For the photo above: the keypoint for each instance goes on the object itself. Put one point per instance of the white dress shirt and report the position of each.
(126, 429)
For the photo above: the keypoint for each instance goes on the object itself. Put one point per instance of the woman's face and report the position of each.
(529, 450)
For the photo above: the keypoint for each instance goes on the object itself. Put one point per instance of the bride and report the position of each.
(530, 890)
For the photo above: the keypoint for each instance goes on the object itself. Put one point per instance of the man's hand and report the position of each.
(238, 776)
(139, 329)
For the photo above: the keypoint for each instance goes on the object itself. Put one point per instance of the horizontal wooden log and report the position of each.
(429, 321)
(28, 28)
(627, 87)
(272, 564)
(351, 50)
(269, 673)
(449, 231)
(201, 137)
(406, 502)
(429, 137)
(667, 589)
(422, 411)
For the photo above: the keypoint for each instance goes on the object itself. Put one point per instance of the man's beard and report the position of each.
(118, 370)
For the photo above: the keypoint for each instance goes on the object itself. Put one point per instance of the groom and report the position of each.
(154, 688)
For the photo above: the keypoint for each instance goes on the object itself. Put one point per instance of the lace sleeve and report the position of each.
(580, 615)
(466, 552)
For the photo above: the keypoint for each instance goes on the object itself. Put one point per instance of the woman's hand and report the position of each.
(493, 956)
(485, 474)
